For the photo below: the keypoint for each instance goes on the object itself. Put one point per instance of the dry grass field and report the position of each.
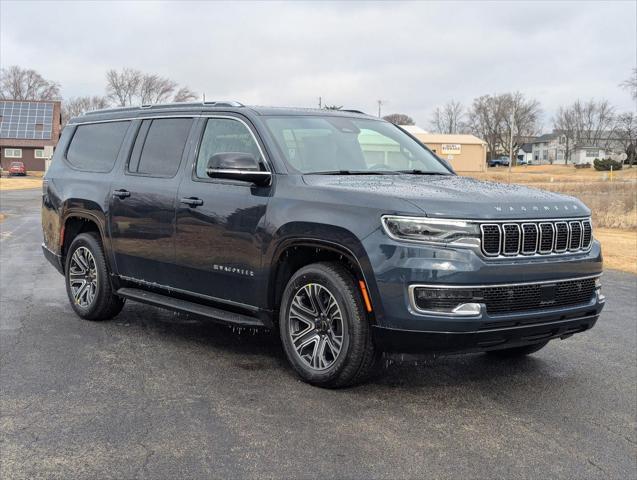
(612, 198)
(20, 183)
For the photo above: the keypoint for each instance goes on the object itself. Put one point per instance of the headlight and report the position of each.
(431, 230)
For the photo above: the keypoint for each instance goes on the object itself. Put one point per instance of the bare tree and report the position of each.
(74, 107)
(156, 89)
(591, 122)
(630, 84)
(399, 119)
(184, 94)
(521, 120)
(498, 118)
(123, 87)
(26, 84)
(449, 118)
(131, 86)
(627, 134)
(486, 118)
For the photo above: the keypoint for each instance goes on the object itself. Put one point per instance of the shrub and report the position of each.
(582, 165)
(605, 164)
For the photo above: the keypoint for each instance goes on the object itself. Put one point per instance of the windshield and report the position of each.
(340, 145)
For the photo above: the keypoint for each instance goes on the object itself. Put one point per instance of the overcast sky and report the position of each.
(412, 55)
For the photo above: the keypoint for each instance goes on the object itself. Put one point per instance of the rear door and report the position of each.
(142, 216)
(220, 223)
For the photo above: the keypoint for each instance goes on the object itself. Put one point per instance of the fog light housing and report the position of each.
(447, 301)
(598, 291)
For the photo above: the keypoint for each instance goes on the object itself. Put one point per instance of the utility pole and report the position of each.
(511, 142)
(380, 103)
(320, 103)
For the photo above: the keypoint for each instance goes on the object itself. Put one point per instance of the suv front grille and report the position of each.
(535, 238)
(501, 299)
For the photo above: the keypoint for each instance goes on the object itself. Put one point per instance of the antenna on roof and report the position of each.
(204, 97)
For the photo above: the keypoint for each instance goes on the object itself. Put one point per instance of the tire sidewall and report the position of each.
(351, 318)
(91, 243)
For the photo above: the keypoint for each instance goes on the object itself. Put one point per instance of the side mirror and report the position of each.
(237, 166)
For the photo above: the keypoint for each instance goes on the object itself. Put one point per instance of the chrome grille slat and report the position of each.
(561, 237)
(575, 242)
(530, 234)
(536, 237)
(511, 239)
(587, 234)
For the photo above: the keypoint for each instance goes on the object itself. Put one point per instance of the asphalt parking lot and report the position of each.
(155, 395)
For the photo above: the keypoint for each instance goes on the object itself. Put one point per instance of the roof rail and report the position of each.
(223, 103)
(166, 105)
(353, 111)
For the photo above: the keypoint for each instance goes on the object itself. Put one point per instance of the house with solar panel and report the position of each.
(29, 131)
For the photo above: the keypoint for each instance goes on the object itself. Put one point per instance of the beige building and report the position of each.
(465, 153)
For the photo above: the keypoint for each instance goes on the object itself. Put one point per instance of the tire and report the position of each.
(94, 299)
(320, 362)
(518, 351)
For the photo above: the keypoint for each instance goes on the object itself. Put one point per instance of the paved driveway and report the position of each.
(155, 395)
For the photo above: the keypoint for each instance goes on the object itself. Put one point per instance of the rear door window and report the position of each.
(159, 147)
(94, 147)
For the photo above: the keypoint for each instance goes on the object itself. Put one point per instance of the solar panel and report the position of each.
(26, 120)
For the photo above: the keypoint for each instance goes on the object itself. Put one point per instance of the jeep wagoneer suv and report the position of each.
(338, 229)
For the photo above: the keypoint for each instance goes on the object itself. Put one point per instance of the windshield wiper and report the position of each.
(352, 172)
(422, 172)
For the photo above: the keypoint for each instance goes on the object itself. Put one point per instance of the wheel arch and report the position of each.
(297, 251)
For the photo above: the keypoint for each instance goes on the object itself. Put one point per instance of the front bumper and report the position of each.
(409, 341)
(398, 267)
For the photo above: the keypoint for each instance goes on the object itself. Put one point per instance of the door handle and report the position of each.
(192, 201)
(121, 193)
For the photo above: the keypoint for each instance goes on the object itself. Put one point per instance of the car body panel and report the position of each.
(227, 250)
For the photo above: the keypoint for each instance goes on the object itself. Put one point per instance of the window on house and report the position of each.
(39, 153)
(13, 152)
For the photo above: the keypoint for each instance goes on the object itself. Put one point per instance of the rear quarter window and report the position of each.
(94, 147)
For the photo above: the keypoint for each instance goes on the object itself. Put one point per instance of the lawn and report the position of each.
(20, 183)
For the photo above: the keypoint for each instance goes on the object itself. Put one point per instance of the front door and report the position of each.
(220, 222)
(142, 217)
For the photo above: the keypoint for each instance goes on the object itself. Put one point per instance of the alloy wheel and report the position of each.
(316, 326)
(83, 277)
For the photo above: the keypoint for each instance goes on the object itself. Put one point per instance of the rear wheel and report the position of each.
(518, 351)
(324, 329)
(87, 280)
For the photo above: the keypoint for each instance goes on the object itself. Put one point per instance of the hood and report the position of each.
(457, 197)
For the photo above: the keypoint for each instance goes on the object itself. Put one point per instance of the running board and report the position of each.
(176, 304)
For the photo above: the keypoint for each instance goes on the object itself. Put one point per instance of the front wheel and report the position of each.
(324, 329)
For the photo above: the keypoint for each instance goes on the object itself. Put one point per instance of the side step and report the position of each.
(176, 304)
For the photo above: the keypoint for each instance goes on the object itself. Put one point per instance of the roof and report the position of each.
(446, 138)
(546, 137)
(28, 119)
(527, 147)
(413, 129)
(202, 107)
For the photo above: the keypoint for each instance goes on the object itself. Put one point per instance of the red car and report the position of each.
(17, 168)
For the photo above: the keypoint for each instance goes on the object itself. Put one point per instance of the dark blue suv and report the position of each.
(339, 229)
